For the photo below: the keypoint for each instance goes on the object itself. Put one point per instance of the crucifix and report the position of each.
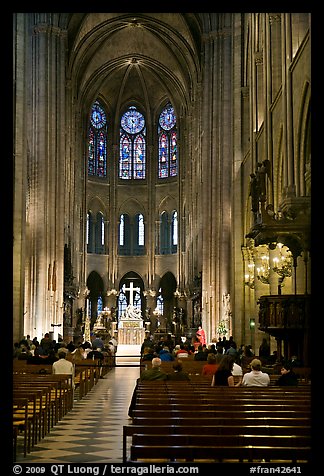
(131, 290)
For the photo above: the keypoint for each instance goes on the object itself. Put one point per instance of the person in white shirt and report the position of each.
(237, 370)
(63, 366)
(256, 378)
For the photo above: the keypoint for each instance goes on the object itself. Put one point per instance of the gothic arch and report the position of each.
(168, 204)
(132, 207)
(137, 282)
(95, 285)
(95, 205)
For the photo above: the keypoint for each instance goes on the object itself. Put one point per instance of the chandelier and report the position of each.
(282, 265)
(249, 276)
(263, 271)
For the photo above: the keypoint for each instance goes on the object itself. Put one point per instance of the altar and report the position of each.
(130, 327)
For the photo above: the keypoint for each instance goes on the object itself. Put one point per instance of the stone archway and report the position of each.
(96, 287)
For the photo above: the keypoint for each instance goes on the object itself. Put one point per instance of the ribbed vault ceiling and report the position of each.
(144, 57)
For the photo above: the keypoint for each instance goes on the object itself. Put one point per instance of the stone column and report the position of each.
(216, 172)
(46, 135)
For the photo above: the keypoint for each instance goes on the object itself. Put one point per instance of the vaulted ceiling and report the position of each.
(144, 57)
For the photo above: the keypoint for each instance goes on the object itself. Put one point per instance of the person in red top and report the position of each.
(182, 352)
(211, 366)
(201, 335)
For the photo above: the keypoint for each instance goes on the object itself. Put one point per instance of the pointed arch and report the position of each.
(96, 287)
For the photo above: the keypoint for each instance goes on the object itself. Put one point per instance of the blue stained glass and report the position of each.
(97, 142)
(168, 150)
(167, 118)
(125, 158)
(99, 305)
(132, 121)
(139, 157)
(98, 116)
(132, 155)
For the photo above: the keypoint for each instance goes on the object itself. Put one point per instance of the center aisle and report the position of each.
(92, 431)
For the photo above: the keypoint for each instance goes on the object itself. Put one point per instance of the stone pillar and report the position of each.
(46, 135)
(216, 172)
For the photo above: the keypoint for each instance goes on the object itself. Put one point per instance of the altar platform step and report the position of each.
(128, 355)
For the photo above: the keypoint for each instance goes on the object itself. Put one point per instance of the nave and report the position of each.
(92, 431)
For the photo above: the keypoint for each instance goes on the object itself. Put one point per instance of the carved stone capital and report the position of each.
(274, 18)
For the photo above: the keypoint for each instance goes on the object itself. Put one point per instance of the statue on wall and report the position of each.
(254, 193)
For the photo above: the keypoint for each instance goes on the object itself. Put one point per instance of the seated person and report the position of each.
(223, 375)
(288, 376)
(181, 352)
(237, 370)
(178, 373)
(256, 378)
(165, 354)
(155, 372)
(63, 366)
(201, 354)
(211, 366)
(148, 354)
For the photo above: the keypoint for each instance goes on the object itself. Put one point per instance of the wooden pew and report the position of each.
(236, 412)
(244, 411)
(39, 406)
(22, 421)
(253, 429)
(219, 447)
(48, 397)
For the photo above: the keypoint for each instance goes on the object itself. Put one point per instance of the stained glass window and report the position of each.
(100, 234)
(159, 303)
(132, 145)
(99, 305)
(137, 300)
(168, 146)
(140, 230)
(174, 232)
(124, 244)
(122, 304)
(88, 229)
(97, 142)
(121, 231)
(90, 232)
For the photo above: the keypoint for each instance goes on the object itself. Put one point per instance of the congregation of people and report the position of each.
(48, 351)
(225, 361)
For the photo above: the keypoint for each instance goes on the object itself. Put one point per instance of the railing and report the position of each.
(288, 311)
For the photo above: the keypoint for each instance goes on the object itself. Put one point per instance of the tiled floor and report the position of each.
(92, 431)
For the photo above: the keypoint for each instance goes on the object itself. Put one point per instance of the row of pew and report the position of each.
(41, 398)
(194, 422)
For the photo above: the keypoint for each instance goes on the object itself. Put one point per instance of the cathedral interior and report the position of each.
(163, 161)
